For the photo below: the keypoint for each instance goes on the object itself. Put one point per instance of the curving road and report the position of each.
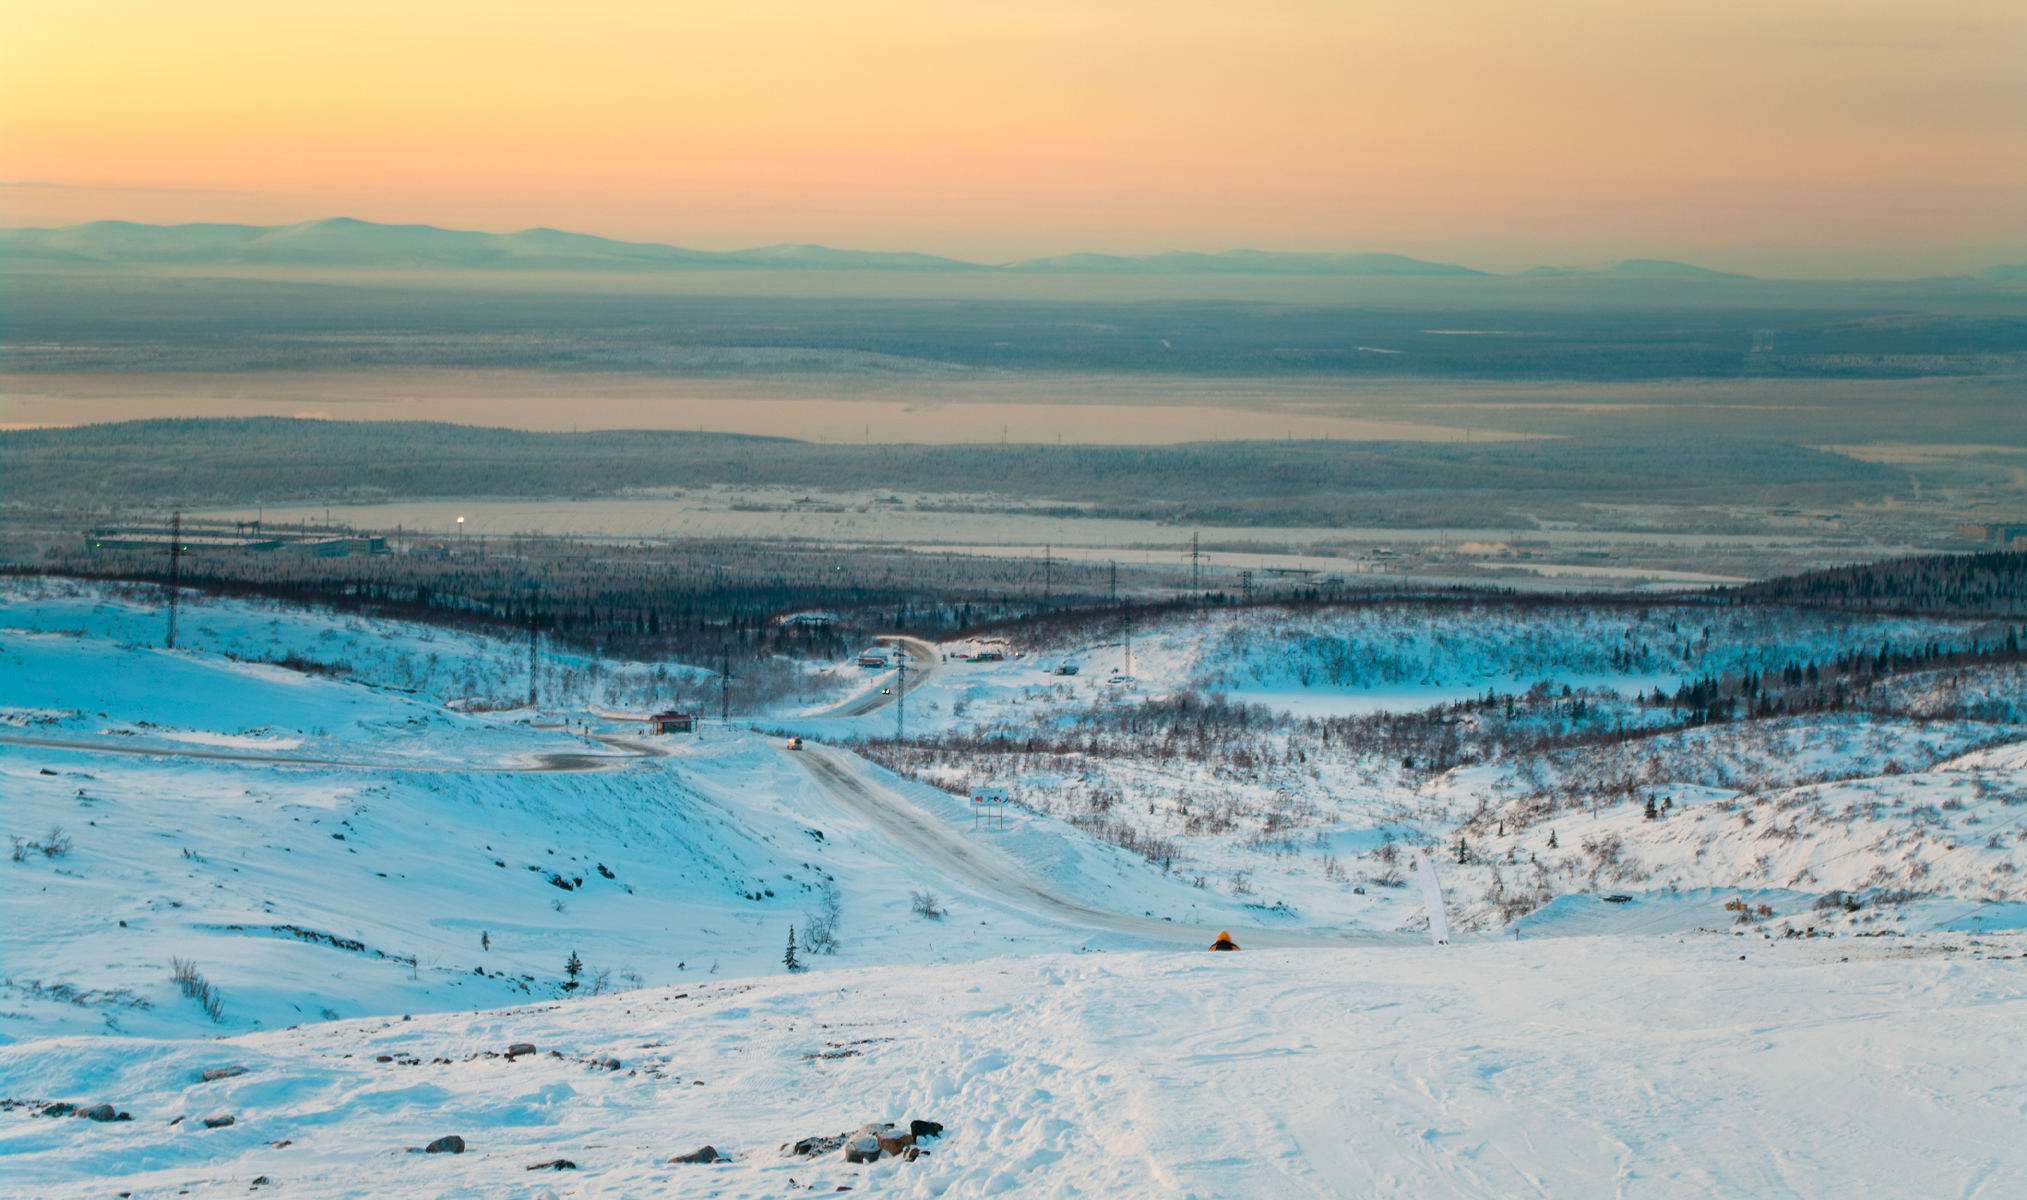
(926, 658)
(928, 839)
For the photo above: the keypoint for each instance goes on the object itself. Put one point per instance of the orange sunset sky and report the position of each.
(1774, 136)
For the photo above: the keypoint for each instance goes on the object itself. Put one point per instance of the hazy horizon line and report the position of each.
(789, 255)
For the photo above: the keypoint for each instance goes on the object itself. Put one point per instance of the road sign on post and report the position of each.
(988, 808)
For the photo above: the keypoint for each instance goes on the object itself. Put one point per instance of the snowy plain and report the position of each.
(364, 866)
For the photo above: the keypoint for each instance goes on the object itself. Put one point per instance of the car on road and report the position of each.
(886, 691)
(794, 743)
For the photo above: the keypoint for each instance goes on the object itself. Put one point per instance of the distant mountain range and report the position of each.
(343, 242)
(1645, 268)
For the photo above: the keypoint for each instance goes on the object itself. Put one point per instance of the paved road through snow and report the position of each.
(925, 656)
(921, 835)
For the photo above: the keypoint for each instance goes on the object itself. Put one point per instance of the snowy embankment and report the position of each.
(1657, 1067)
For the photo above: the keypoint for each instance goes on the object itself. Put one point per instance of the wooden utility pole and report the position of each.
(1048, 574)
(725, 685)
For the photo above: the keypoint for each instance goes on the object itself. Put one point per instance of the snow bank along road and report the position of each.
(544, 761)
(1573, 1068)
(845, 781)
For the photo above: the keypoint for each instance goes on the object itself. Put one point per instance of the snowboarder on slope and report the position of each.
(1224, 941)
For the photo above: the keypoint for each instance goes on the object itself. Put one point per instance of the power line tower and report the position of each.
(1048, 574)
(1246, 586)
(1115, 583)
(1127, 613)
(725, 685)
(534, 654)
(176, 552)
(1196, 559)
(534, 641)
(900, 690)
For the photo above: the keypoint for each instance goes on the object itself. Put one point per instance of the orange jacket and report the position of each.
(1224, 941)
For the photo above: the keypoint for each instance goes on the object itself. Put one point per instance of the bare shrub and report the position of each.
(68, 993)
(820, 925)
(56, 844)
(192, 983)
(925, 904)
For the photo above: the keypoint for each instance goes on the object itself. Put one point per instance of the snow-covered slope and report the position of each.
(325, 848)
(1790, 978)
(1652, 1067)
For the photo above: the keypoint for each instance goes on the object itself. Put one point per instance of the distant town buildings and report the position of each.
(2004, 535)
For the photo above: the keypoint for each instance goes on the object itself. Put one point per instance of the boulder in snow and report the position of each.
(895, 1143)
(810, 1147)
(450, 1143)
(219, 1120)
(554, 1164)
(703, 1154)
(214, 1074)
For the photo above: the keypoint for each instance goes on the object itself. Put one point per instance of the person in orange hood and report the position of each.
(1224, 941)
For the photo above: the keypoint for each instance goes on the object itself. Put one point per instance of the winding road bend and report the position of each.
(926, 838)
(925, 656)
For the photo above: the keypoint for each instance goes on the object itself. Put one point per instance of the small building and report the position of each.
(873, 660)
(674, 722)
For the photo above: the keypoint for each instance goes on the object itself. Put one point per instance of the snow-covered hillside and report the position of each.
(438, 663)
(324, 847)
(1708, 1065)
(1304, 810)
(364, 889)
